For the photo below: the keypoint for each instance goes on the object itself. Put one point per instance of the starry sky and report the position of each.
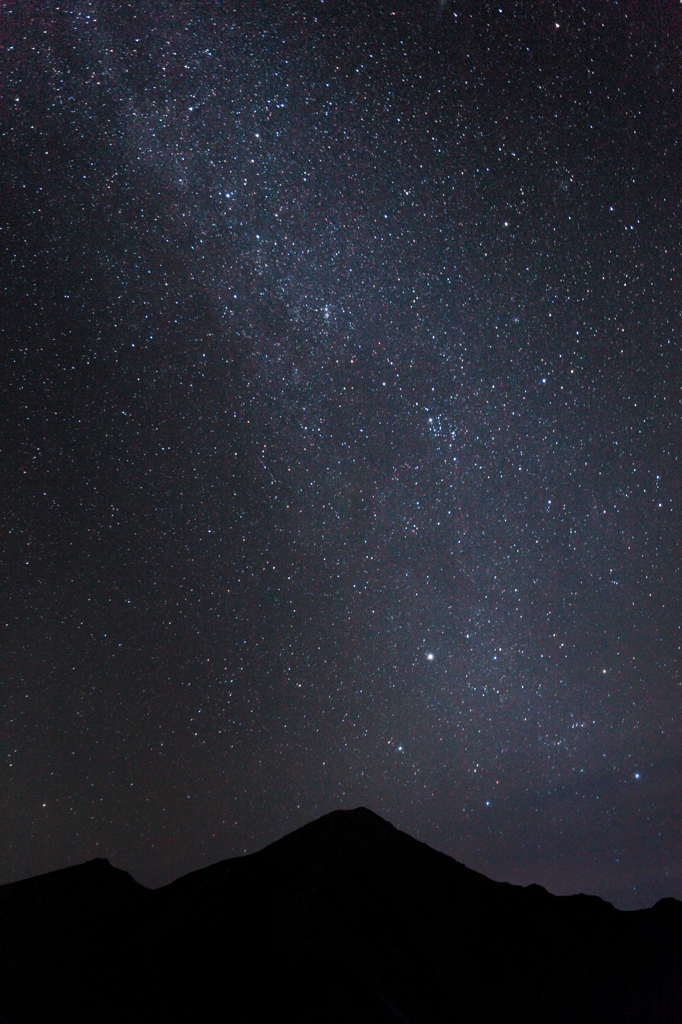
(340, 432)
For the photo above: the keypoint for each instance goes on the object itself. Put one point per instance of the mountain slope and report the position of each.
(346, 919)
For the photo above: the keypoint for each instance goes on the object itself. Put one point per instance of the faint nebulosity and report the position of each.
(340, 432)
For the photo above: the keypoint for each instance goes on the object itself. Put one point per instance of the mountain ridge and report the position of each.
(347, 919)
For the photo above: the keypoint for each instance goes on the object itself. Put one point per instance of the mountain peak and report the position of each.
(345, 919)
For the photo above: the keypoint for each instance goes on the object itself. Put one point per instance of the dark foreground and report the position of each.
(345, 920)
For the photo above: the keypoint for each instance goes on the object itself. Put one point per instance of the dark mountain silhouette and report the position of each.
(345, 920)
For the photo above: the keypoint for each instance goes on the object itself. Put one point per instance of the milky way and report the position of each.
(340, 433)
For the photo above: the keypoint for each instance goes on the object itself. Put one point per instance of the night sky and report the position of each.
(340, 432)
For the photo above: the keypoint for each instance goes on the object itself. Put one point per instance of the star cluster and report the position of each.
(341, 427)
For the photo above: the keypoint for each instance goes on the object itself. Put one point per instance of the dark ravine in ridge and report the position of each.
(345, 920)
